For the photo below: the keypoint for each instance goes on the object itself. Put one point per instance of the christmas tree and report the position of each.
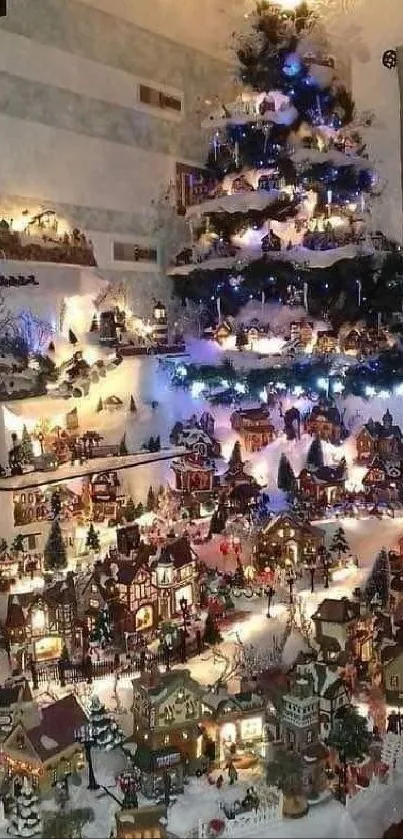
(27, 451)
(315, 457)
(151, 501)
(350, 737)
(25, 817)
(100, 405)
(55, 555)
(212, 634)
(122, 446)
(101, 634)
(92, 540)
(285, 477)
(105, 731)
(378, 584)
(339, 543)
(72, 337)
(292, 181)
(133, 409)
(130, 510)
(235, 463)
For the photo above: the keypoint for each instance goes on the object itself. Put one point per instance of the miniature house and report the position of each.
(324, 485)
(383, 438)
(254, 427)
(194, 474)
(143, 823)
(324, 421)
(327, 342)
(330, 689)
(231, 720)
(347, 625)
(383, 482)
(285, 539)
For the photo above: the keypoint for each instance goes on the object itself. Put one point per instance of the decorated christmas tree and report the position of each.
(25, 817)
(27, 451)
(92, 539)
(106, 733)
(101, 634)
(55, 555)
(288, 182)
(377, 587)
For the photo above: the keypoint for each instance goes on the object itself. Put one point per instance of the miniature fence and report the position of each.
(270, 813)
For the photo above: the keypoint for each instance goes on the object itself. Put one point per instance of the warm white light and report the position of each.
(38, 620)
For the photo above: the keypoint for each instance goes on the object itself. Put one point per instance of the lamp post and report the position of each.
(40, 441)
(326, 561)
(311, 567)
(183, 605)
(85, 736)
(269, 592)
(290, 579)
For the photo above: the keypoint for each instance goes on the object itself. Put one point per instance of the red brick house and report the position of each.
(254, 426)
(383, 438)
(194, 475)
(384, 480)
(325, 485)
(324, 421)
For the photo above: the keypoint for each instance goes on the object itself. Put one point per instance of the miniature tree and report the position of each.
(285, 477)
(72, 337)
(51, 347)
(101, 634)
(212, 634)
(139, 510)
(3, 546)
(105, 731)
(130, 510)
(25, 819)
(350, 737)
(339, 543)
(122, 446)
(27, 451)
(94, 323)
(285, 772)
(55, 555)
(92, 540)
(100, 406)
(56, 503)
(226, 597)
(157, 444)
(151, 502)
(133, 409)
(18, 543)
(241, 339)
(218, 520)
(377, 708)
(315, 457)
(235, 462)
(377, 588)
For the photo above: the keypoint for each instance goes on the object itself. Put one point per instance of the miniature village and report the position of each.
(201, 542)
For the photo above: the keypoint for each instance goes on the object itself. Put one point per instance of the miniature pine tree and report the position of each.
(133, 409)
(18, 543)
(27, 451)
(241, 339)
(72, 337)
(55, 552)
(315, 457)
(285, 477)
(51, 347)
(101, 634)
(350, 737)
(122, 446)
(106, 732)
(92, 540)
(94, 323)
(3, 546)
(130, 510)
(157, 444)
(139, 510)
(100, 406)
(56, 503)
(25, 817)
(339, 543)
(212, 634)
(378, 584)
(235, 462)
(150, 500)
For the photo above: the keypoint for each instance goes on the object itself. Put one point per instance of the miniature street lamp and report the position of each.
(310, 564)
(85, 736)
(326, 562)
(41, 439)
(183, 605)
(160, 312)
(290, 577)
(269, 592)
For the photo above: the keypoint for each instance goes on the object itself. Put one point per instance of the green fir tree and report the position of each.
(27, 450)
(151, 501)
(92, 540)
(315, 458)
(339, 543)
(285, 477)
(377, 588)
(212, 634)
(55, 555)
(130, 510)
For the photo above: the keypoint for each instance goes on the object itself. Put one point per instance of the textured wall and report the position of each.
(74, 136)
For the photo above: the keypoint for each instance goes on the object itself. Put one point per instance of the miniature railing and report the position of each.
(270, 813)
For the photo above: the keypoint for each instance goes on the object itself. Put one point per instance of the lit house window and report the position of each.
(128, 252)
(158, 99)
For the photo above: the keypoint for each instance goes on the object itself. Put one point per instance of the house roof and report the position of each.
(147, 759)
(304, 528)
(59, 723)
(326, 475)
(167, 683)
(252, 413)
(392, 467)
(337, 611)
(383, 430)
(329, 412)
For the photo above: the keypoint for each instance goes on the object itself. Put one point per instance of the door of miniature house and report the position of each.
(291, 552)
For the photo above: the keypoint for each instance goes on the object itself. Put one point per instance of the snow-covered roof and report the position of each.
(237, 202)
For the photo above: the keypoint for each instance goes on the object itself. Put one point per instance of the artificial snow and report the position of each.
(48, 743)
